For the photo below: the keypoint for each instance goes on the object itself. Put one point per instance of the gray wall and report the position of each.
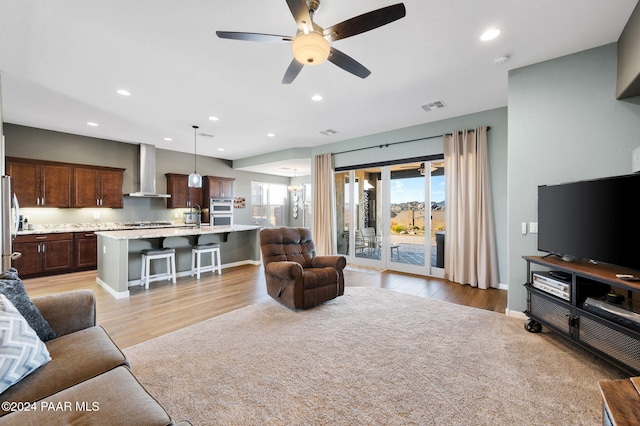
(564, 124)
(497, 141)
(28, 142)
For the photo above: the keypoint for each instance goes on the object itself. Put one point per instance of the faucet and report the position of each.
(199, 212)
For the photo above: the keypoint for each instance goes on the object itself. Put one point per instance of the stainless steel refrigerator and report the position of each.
(9, 226)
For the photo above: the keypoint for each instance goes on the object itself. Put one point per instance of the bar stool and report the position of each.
(155, 254)
(196, 258)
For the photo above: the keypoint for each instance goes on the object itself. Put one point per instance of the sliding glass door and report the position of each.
(408, 218)
(359, 218)
(391, 216)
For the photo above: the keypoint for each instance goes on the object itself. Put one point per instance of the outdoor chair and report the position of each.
(371, 240)
(359, 243)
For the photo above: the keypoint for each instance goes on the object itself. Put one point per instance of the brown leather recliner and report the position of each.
(295, 276)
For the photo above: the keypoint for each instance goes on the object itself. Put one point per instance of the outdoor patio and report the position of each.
(408, 249)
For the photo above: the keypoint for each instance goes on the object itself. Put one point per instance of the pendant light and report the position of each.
(195, 180)
(295, 188)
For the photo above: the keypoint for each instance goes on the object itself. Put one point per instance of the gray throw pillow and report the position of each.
(12, 287)
(21, 351)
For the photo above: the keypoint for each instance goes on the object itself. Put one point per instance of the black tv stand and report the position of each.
(608, 339)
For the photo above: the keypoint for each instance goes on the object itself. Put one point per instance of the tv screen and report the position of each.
(596, 220)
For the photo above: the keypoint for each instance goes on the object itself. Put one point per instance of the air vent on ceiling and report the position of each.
(206, 135)
(432, 106)
(328, 132)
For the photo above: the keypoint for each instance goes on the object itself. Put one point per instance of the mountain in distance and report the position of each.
(437, 206)
(416, 205)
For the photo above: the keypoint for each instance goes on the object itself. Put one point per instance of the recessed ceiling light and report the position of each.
(123, 92)
(271, 135)
(316, 98)
(168, 139)
(91, 123)
(490, 34)
(220, 149)
(213, 118)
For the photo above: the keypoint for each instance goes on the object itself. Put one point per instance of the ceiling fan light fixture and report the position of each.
(310, 49)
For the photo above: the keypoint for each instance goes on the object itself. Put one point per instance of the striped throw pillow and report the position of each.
(21, 350)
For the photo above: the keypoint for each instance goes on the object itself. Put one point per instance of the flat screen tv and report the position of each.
(596, 220)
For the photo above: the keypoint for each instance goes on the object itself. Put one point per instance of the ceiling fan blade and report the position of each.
(292, 72)
(300, 12)
(348, 64)
(365, 22)
(268, 38)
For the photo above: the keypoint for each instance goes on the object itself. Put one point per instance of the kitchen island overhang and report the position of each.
(119, 252)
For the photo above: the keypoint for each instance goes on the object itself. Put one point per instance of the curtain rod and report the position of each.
(386, 145)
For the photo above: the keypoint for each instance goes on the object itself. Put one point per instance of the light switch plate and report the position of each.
(533, 227)
(635, 156)
(524, 228)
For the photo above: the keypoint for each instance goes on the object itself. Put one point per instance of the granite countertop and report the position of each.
(184, 231)
(102, 226)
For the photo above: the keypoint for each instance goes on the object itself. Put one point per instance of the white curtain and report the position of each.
(470, 249)
(323, 205)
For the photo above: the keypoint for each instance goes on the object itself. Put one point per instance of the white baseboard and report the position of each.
(516, 314)
(111, 291)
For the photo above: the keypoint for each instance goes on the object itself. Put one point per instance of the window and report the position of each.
(307, 207)
(268, 204)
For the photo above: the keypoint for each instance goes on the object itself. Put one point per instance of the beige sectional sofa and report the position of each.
(87, 381)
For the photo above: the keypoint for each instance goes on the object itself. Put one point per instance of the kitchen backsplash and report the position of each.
(51, 216)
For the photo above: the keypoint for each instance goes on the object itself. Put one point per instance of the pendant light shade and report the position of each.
(195, 180)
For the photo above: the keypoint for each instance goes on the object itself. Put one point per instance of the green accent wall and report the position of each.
(564, 125)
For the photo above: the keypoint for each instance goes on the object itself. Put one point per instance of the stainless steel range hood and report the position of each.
(148, 173)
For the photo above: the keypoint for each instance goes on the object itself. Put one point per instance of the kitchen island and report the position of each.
(119, 252)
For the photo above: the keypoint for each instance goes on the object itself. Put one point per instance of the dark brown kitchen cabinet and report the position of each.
(40, 183)
(217, 187)
(43, 254)
(97, 187)
(85, 246)
(181, 195)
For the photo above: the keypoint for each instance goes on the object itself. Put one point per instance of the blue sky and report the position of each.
(412, 189)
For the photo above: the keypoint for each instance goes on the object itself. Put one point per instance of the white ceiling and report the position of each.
(63, 60)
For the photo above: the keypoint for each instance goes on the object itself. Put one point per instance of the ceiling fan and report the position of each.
(311, 43)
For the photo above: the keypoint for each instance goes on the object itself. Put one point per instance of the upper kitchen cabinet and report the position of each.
(97, 187)
(40, 183)
(181, 195)
(217, 187)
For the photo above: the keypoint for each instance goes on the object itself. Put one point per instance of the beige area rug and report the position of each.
(370, 357)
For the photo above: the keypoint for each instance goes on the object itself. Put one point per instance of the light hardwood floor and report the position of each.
(166, 307)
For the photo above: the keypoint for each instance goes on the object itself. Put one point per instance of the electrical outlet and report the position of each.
(96, 215)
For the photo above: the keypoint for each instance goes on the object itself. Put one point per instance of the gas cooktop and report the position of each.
(148, 224)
